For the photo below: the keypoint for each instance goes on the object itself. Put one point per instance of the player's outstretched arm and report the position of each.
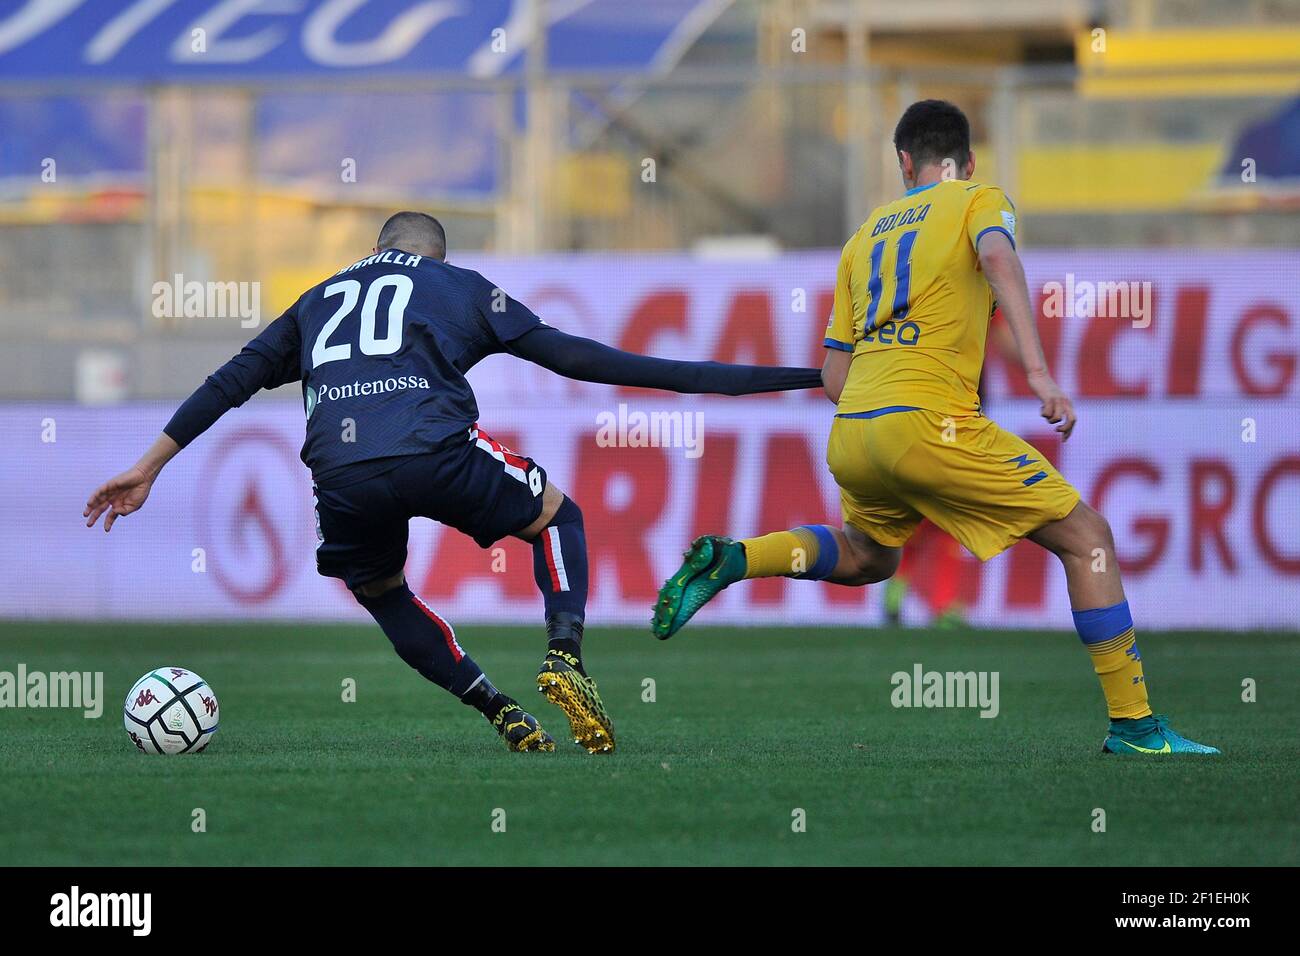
(589, 361)
(127, 492)
(1005, 274)
(268, 361)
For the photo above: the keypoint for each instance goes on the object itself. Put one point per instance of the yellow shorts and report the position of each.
(984, 486)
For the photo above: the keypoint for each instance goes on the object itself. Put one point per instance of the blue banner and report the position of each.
(206, 40)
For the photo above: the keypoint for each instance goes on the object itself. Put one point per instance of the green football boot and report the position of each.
(1149, 735)
(520, 730)
(710, 565)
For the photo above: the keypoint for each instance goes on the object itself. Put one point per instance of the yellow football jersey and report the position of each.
(911, 302)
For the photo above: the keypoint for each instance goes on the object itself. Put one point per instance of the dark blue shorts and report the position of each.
(476, 485)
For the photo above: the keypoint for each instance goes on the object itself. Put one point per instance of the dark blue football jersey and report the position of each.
(382, 348)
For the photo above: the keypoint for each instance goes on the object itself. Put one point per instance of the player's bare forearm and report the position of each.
(163, 450)
(835, 372)
(266, 362)
(127, 492)
(1006, 276)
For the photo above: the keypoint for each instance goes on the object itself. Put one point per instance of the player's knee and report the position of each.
(882, 565)
(1105, 536)
(568, 512)
(373, 589)
(871, 563)
(1092, 531)
(1103, 539)
(1088, 532)
(557, 507)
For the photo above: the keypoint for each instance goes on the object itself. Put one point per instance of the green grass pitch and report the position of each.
(747, 726)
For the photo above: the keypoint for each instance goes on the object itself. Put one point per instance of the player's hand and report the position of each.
(1057, 407)
(118, 496)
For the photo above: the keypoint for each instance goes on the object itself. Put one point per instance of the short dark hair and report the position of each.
(932, 131)
(413, 232)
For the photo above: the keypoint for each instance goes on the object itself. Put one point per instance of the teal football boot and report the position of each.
(710, 565)
(1149, 735)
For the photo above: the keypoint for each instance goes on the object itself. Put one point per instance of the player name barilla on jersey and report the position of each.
(77, 909)
(389, 256)
(78, 690)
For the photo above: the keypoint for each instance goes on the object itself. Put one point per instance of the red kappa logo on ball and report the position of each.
(146, 697)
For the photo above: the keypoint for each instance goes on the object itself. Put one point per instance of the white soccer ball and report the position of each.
(170, 710)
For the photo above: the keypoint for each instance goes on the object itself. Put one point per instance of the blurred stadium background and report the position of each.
(673, 177)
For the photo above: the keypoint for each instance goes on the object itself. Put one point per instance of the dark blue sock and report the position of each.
(427, 643)
(560, 569)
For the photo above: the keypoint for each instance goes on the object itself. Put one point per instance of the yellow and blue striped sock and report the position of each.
(809, 551)
(1107, 633)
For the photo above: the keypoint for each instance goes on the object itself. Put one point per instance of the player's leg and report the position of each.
(428, 644)
(858, 558)
(865, 550)
(819, 553)
(559, 543)
(933, 569)
(489, 492)
(362, 531)
(1083, 542)
(810, 553)
(899, 582)
(989, 489)
(949, 574)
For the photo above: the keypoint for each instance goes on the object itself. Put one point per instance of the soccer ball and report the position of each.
(170, 711)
